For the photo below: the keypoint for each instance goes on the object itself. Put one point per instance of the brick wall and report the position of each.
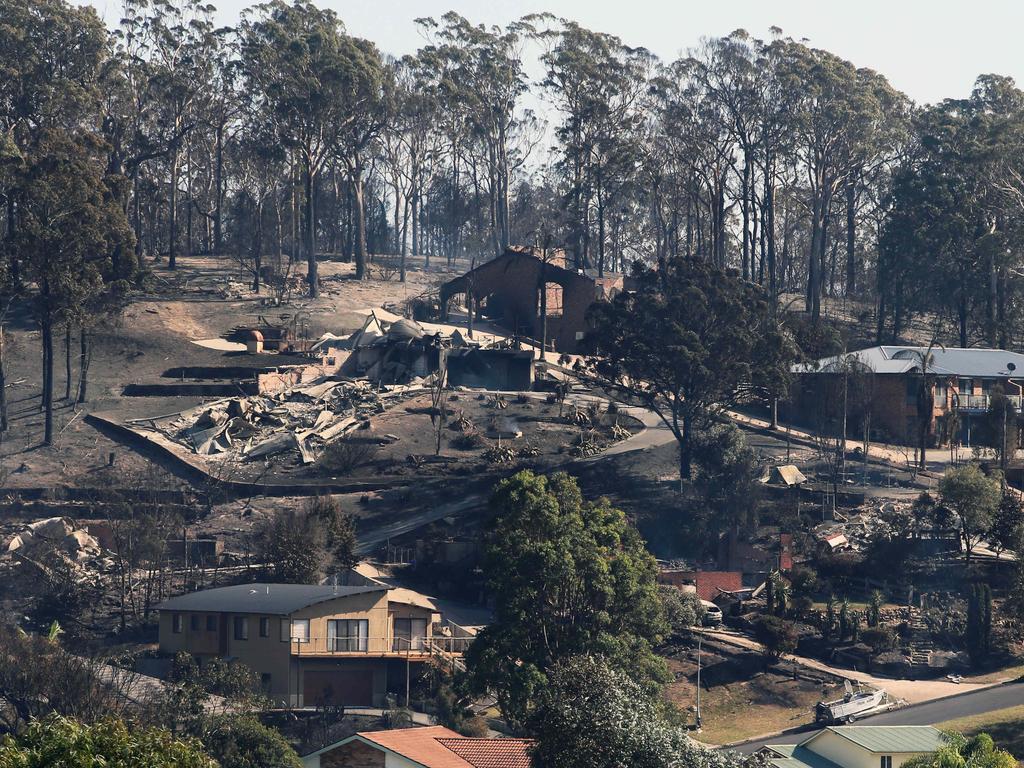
(509, 287)
(355, 754)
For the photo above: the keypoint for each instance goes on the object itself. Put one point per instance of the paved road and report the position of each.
(987, 700)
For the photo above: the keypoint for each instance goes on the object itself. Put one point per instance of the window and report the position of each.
(265, 681)
(553, 299)
(965, 387)
(211, 623)
(297, 630)
(911, 390)
(886, 761)
(176, 623)
(410, 634)
(940, 393)
(347, 634)
(241, 627)
(264, 626)
(193, 622)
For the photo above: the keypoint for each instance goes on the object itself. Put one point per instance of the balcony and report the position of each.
(414, 649)
(979, 403)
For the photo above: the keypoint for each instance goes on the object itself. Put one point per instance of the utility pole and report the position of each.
(699, 723)
(544, 294)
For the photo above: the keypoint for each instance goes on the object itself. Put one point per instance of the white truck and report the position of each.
(852, 706)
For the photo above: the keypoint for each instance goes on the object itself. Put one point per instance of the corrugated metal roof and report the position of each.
(796, 756)
(952, 361)
(891, 738)
(273, 599)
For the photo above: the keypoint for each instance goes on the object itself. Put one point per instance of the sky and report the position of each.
(929, 49)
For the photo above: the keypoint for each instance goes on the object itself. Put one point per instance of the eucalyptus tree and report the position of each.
(837, 107)
(312, 82)
(179, 45)
(69, 225)
(597, 83)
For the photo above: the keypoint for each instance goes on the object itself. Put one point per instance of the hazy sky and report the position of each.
(930, 49)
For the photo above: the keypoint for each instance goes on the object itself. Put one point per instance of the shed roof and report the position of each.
(274, 599)
(952, 361)
(788, 474)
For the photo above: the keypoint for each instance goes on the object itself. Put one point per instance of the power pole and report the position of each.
(699, 723)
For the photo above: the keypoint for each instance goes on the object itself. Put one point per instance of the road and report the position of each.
(930, 713)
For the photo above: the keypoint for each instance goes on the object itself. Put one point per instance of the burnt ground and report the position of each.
(204, 299)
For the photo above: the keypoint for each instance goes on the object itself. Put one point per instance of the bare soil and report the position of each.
(205, 298)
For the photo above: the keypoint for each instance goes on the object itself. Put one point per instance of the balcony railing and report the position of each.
(381, 646)
(981, 402)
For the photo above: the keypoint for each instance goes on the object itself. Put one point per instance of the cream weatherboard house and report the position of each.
(857, 746)
(312, 644)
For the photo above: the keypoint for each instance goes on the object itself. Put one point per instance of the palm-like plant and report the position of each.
(925, 398)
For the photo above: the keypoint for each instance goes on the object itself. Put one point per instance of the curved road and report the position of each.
(929, 713)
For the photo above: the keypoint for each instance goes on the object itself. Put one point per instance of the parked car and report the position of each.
(712, 614)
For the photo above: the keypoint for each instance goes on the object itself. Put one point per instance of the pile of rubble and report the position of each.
(299, 420)
(57, 546)
(55, 533)
(876, 519)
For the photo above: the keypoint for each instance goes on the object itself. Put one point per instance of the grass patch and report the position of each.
(1005, 726)
(1005, 673)
(739, 701)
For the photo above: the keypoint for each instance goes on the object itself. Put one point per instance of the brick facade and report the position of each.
(355, 754)
(507, 289)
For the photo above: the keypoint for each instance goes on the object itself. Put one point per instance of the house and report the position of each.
(961, 380)
(707, 584)
(431, 747)
(512, 288)
(312, 644)
(857, 746)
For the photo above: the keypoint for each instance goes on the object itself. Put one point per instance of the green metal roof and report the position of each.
(796, 756)
(890, 738)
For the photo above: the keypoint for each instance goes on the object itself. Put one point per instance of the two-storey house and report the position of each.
(311, 644)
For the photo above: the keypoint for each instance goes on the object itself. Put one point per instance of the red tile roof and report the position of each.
(420, 745)
(438, 747)
(491, 753)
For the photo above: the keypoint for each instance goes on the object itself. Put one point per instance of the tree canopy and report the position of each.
(975, 498)
(596, 715)
(111, 743)
(691, 341)
(568, 576)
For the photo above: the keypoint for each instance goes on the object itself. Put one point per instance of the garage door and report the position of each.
(351, 688)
